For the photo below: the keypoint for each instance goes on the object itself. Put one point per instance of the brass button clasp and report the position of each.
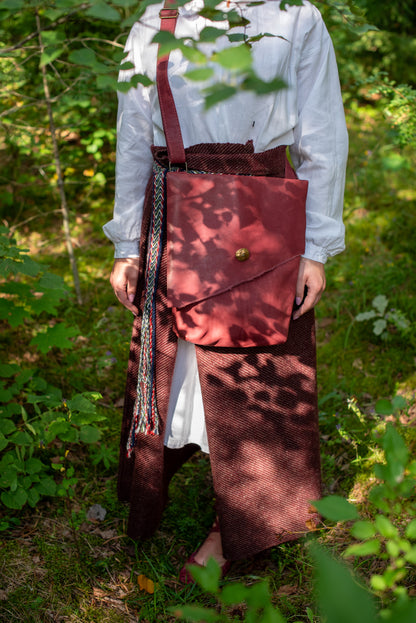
(242, 254)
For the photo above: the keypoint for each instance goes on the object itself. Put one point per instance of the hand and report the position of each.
(123, 280)
(312, 275)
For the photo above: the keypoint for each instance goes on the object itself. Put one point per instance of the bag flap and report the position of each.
(212, 219)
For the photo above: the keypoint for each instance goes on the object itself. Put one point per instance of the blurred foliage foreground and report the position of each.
(64, 554)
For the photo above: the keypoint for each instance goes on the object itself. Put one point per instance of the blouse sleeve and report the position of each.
(133, 158)
(320, 150)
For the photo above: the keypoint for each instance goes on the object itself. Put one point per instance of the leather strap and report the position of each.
(171, 127)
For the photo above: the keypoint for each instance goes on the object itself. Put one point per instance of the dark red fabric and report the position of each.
(260, 409)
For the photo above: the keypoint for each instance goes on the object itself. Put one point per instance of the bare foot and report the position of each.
(211, 548)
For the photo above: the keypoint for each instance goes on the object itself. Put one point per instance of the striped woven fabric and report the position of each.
(145, 415)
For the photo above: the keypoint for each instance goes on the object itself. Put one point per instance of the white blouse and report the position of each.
(307, 115)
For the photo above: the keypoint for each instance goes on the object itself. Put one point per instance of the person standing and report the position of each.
(254, 410)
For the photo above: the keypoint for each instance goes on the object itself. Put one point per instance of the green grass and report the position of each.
(57, 566)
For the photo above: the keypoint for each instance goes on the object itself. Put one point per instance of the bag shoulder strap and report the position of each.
(171, 127)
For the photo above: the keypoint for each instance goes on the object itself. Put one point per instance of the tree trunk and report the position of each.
(58, 168)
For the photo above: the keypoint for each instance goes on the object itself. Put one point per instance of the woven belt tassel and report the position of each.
(145, 415)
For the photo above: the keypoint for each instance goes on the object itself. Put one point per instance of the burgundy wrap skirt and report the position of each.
(260, 409)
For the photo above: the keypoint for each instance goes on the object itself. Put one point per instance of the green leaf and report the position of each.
(261, 35)
(363, 549)
(105, 81)
(404, 545)
(237, 58)
(254, 83)
(53, 37)
(218, 93)
(50, 281)
(396, 451)
(58, 427)
(56, 336)
(199, 75)
(87, 57)
(141, 79)
(363, 530)
(258, 595)
(380, 303)
(7, 370)
(393, 576)
(234, 593)
(271, 615)
(411, 556)
(102, 10)
(207, 577)
(167, 42)
(399, 403)
(34, 466)
(411, 530)
(83, 56)
(378, 583)
(341, 598)
(49, 55)
(33, 497)
(81, 403)
(403, 611)
(166, 37)
(46, 486)
(384, 407)
(379, 326)
(14, 5)
(29, 267)
(6, 395)
(283, 4)
(3, 441)
(336, 508)
(211, 14)
(211, 34)
(20, 438)
(62, 430)
(8, 477)
(15, 315)
(9, 410)
(89, 434)
(234, 18)
(194, 55)
(16, 499)
(66, 4)
(236, 37)
(392, 549)
(385, 527)
(366, 316)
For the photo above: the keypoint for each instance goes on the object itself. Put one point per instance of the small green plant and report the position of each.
(38, 425)
(27, 292)
(388, 531)
(384, 320)
(259, 607)
(341, 597)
